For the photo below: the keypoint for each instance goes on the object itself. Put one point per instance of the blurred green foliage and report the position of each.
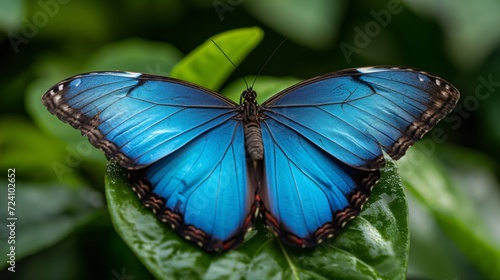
(64, 230)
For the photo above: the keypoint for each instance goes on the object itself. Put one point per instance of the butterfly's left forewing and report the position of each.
(137, 118)
(323, 142)
(183, 146)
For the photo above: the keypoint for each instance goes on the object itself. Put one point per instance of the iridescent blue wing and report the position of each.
(182, 144)
(323, 142)
(203, 190)
(307, 194)
(134, 118)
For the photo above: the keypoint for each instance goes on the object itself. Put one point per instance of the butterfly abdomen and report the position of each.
(253, 140)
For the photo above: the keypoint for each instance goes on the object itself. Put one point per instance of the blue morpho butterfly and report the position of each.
(306, 159)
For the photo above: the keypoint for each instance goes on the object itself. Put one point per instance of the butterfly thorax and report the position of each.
(251, 120)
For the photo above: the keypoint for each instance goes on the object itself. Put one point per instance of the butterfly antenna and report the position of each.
(236, 67)
(267, 61)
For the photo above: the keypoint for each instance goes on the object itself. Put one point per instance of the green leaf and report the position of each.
(41, 224)
(372, 246)
(451, 207)
(207, 66)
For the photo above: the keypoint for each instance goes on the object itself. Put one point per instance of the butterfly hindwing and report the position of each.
(323, 142)
(182, 145)
(307, 194)
(203, 190)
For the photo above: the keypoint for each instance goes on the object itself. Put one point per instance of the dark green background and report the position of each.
(43, 42)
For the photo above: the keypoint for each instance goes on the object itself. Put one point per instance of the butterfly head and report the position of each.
(249, 95)
(249, 106)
